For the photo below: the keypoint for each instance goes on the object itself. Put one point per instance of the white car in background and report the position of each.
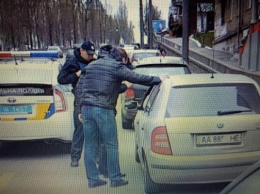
(32, 104)
(153, 66)
(56, 48)
(140, 54)
(198, 128)
(129, 48)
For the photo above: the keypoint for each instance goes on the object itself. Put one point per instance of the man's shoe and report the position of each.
(74, 163)
(96, 184)
(121, 175)
(118, 183)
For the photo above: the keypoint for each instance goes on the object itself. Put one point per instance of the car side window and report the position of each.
(151, 99)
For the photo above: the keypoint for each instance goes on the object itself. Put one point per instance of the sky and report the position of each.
(133, 11)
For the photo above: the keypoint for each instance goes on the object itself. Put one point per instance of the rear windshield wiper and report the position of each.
(233, 112)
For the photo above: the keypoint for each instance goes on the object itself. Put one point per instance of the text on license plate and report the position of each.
(16, 109)
(218, 139)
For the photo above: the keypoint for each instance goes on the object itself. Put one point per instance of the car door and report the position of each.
(143, 117)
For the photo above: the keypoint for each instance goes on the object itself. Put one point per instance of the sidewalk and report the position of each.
(212, 60)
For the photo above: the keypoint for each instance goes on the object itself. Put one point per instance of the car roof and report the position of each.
(145, 50)
(28, 69)
(27, 72)
(53, 47)
(207, 78)
(160, 60)
(77, 45)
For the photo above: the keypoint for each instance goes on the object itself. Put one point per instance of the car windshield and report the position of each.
(210, 100)
(156, 70)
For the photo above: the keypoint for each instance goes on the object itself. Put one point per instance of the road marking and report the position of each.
(5, 179)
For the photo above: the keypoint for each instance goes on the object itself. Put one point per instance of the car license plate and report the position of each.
(218, 139)
(15, 109)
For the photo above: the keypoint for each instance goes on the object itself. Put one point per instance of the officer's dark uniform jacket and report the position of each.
(100, 82)
(67, 74)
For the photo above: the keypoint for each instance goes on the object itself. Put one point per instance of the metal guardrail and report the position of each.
(207, 62)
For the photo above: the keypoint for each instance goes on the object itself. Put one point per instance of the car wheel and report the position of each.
(137, 159)
(149, 185)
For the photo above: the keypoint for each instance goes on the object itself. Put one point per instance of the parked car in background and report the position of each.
(33, 105)
(140, 54)
(56, 48)
(198, 128)
(156, 66)
(129, 48)
(70, 52)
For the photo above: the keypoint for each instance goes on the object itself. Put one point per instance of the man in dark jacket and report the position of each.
(70, 74)
(100, 86)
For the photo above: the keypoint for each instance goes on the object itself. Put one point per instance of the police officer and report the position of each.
(70, 74)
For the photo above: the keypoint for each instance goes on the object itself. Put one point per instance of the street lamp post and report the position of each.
(141, 23)
(150, 29)
(185, 33)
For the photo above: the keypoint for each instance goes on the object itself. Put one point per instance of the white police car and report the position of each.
(32, 103)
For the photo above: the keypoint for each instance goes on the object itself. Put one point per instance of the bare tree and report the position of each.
(39, 23)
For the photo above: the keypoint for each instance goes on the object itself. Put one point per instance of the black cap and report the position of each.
(89, 47)
(104, 50)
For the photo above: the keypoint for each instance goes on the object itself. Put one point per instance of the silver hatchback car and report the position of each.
(198, 128)
(156, 66)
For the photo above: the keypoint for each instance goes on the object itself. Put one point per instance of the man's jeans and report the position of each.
(101, 121)
(78, 136)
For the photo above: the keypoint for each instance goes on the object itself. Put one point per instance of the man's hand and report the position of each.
(80, 118)
(164, 77)
(128, 84)
(78, 73)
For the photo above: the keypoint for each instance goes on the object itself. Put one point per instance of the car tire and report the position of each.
(149, 186)
(137, 159)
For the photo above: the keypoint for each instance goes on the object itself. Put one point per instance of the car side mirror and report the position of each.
(132, 106)
(141, 108)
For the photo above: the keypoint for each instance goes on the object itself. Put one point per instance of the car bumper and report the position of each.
(59, 126)
(199, 169)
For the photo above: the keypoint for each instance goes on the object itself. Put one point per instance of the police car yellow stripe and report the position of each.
(42, 110)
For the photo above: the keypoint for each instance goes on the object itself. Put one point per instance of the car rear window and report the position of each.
(210, 100)
(140, 56)
(162, 70)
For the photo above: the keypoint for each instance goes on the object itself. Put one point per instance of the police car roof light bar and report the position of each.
(36, 54)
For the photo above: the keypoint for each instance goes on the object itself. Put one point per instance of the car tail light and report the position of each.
(59, 99)
(129, 94)
(160, 141)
